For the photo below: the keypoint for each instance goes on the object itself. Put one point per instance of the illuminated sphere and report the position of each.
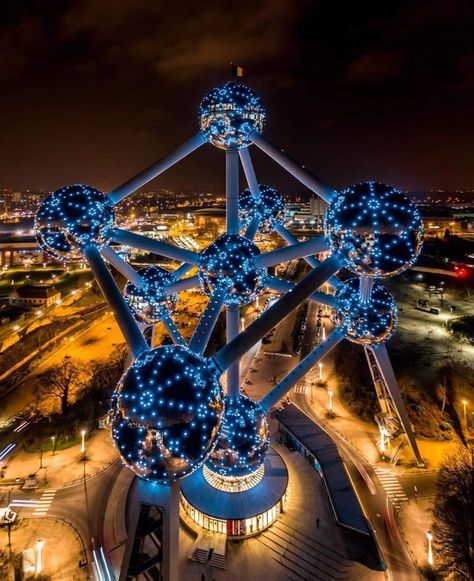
(376, 228)
(243, 439)
(71, 218)
(368, 322)
(268, 206)
(228, 114)
(167, 412)
(229, 262)
(147, 302)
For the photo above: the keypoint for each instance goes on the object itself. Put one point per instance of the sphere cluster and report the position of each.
(365, 322)
(228, 114)
(167, 412)
(229, 262)
(148, 300)
(268, 206)
(243, 439)
(71, 218)
(376, 228)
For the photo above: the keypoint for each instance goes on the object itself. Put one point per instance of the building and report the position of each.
(32, 297)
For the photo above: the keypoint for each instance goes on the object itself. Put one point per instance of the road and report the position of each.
(377, 503)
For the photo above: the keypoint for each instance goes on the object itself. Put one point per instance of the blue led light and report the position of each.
(228, 114)
(166, 414)
(243, 439)
(229, 261)
(70, 219)
(376, 228)
(148, 301)
(268, 207)
(365, 322)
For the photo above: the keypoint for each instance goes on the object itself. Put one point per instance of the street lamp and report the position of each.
(242, 323)
(39, 557)
(429, 536)
(330, 394)
(83, 442)
(320, 371)
(464, 403)
(53, 439)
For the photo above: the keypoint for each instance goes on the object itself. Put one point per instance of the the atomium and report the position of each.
(228, 115)
(167, 412)
(268, 208)
(71, 218)
(229, 262)
(366, 322)
(243, 439)
(376, 228)
(148, 300)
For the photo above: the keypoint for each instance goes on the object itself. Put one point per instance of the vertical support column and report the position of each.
(166, 499)
(232, 191)
(233, 372)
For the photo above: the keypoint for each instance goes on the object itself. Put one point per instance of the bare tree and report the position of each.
(63, 381)
(453, 529)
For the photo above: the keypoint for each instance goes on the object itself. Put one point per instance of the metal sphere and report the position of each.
(243, 439)
(148, 301)
(268, 206)
(376, 228)
(365, 322)
(71, 218)
(229, 262)
(167, 412)
(228, 114)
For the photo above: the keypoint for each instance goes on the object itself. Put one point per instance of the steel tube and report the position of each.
(249, 171)
(232, 329)
(183, 284)
(282, 286)
(157, 168)
(123, 267)
(287, 253)
(207, 322)
(232, 191)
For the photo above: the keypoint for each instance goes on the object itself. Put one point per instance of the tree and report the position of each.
(453, 530)
(63, 381)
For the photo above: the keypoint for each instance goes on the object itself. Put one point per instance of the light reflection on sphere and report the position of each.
(166, 414)
(229, 262)
(376, 228)
(363, 322)
(148, 301)
(243, 440)
(71, 218)
(228, 114)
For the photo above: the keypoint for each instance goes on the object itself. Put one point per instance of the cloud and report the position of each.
(374, 67)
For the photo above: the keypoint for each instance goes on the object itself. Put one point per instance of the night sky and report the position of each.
(93, 91)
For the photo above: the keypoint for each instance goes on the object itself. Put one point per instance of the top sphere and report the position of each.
(268, 206)
(228, 114)
(376, 228)
(71, 218)
(167, 412)
(148, 301)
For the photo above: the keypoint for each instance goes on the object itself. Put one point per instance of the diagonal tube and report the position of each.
(183, 269)
(295, 169)
(125, 320)
(156, 169)
(232, 330)
(155, 246)
(252, 228)
(311, 260)
(203, 331)
(287, 253)
(171, 328)
(276, 313)
(282, 388)
(283, 286)
(249, 171)
(123, 267)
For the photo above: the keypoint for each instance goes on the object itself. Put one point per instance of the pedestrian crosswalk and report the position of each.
(392, 487)
(44, 502)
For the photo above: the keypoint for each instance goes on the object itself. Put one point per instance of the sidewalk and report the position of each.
(416, 519)
(65, 466)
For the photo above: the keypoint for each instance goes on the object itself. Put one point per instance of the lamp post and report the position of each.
(464, 403)
(429, 536)
(39, 557)
(83, 444)
(242, 323)
(330, 394)
(320, 371)
(53, 439)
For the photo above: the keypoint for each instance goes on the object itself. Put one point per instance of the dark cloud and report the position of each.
(94, 90)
